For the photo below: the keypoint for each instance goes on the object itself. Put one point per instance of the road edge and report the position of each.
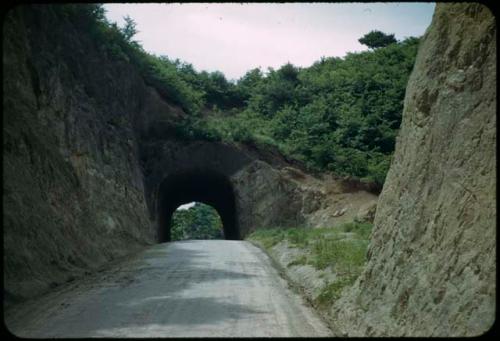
(296, 287)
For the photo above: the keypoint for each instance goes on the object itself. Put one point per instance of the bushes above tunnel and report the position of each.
(339, 114)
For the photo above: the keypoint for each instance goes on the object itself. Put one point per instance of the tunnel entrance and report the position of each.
(203, 186)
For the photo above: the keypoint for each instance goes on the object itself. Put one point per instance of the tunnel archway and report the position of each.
(208, 187)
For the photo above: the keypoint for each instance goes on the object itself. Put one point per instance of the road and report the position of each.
(206, 288)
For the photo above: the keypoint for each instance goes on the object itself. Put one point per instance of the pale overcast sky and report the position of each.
(234, 38)
(186, 206)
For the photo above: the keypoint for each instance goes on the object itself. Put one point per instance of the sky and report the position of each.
(236, 37)
(186, 206)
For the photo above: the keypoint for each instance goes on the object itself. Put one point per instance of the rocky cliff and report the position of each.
(73, 191)
(90, 159)
(432, 266)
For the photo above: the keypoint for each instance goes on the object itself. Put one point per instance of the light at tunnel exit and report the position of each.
(199, 221)
(186, 206)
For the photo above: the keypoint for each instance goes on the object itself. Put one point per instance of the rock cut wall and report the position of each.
(432, 259)
(73, 188)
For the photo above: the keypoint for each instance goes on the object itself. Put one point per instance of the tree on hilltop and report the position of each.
(129, 30)
(376, 39)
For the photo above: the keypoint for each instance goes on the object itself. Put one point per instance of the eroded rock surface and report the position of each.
(73, 190)
(432, 267)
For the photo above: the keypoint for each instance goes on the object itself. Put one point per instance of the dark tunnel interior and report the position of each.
(204, 186)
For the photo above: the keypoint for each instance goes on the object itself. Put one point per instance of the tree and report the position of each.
(289, 72)
(98, 12)
(376, 39)
(198, 222)
(129, 30)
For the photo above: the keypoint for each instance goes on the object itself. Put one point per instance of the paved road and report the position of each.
(189, 288)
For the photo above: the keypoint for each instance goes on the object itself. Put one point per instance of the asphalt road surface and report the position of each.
(206, 288)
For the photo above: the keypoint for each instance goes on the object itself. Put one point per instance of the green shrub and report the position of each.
(298, 237)
(346, 255)
(362, 230)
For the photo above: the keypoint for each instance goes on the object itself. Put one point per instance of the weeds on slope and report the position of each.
(342, 249)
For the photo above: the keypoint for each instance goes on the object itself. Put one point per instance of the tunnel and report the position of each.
(208, 187)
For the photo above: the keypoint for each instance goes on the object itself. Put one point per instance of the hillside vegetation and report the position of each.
(198, 222)
(340, 114)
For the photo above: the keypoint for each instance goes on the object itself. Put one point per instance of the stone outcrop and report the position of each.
(73, 190)
(432, 266)
(87, 147)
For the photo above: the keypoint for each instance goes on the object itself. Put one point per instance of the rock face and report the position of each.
(73, 190)
(90, 156)
(432, 267)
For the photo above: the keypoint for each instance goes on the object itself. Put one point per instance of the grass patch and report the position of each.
(343, 248)
(267, 237)
(327, 246)
(362, 230)
(297, 237)
(345, 255)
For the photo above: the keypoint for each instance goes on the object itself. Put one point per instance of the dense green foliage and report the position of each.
(342, 248)
(198, 222)
(340, 114)
(375, 39)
